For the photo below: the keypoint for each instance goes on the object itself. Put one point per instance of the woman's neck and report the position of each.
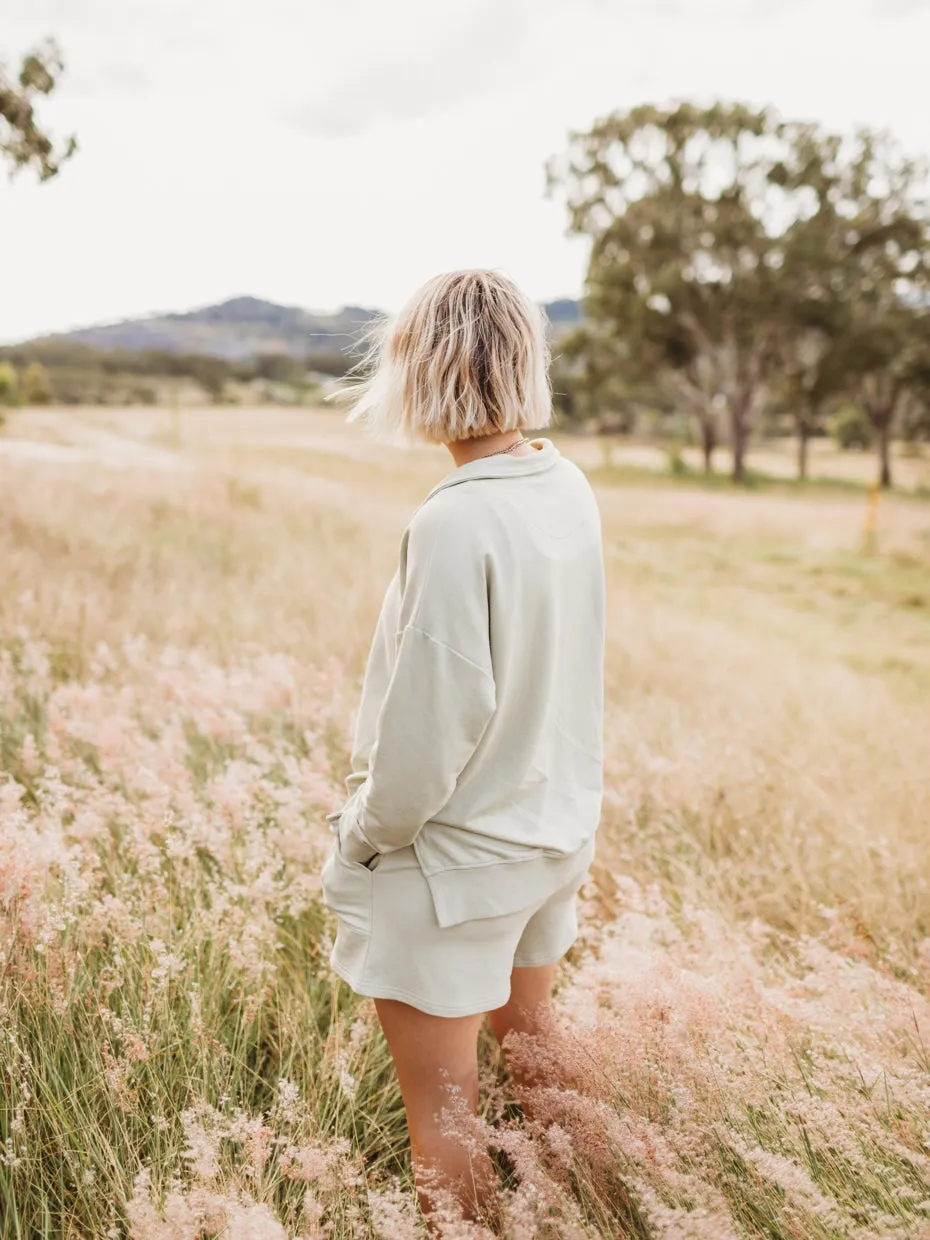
(465, 450)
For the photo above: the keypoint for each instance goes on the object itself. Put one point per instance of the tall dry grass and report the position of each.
(742, 1046)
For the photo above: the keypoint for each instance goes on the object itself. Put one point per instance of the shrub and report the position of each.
(9, 386)
(37, 385)
(851, 429)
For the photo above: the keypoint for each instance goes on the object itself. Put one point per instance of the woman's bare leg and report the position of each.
(526, 1011)
(430, 1054)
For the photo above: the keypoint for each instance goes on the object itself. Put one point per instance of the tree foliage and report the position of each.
(9, 385)
(36, 385)
(682, 255)
(860, 263)
(78, 374)
(23, 141)
(738, 260)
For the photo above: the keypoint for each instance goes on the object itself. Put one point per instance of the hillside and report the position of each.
(241, 328)
(248, 327)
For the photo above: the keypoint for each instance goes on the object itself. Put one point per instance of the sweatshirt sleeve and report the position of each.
(441, 694)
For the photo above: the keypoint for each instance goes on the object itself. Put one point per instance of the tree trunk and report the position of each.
(884, 452)
(882, 398)
(708, 443)
(804, 434)
(738, 436)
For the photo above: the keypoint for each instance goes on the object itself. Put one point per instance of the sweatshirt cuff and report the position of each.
(353, 842)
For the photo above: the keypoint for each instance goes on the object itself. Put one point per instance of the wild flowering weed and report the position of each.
(160, 840)
(741, 1043)
(161, 834)
(726, 1082)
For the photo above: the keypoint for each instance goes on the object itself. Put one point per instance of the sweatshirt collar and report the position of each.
(502, 466)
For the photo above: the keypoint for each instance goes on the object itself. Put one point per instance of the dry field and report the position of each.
(744, 1040)
(772, 459)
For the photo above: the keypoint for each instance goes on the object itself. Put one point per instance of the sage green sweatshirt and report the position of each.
(479, 736)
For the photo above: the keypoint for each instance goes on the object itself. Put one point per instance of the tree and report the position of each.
(36, 385)
(851, 429)
(25, 144)
(814, 377)
(887, 355)
(22, 140)
(733, 253)
(9, 386)
(589, 385)
(812, 366)
(687, 214)
(698, 381)
(211, 373)
(859, 262)
(915, 422)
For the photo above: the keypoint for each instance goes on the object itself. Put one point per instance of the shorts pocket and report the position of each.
(347, 889)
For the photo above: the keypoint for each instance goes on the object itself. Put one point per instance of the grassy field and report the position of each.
(744, 1038)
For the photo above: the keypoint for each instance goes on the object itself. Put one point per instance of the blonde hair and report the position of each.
(466, 357)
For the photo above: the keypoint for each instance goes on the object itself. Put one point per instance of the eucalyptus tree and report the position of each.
(23, 141)
(858, 264)
(735, 254)
(592, 387)
(687, 212)
(888, 347)
(915, 419)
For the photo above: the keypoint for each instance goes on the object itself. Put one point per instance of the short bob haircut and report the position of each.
(466, 357)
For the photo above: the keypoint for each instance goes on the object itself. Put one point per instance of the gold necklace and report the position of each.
(503, 451)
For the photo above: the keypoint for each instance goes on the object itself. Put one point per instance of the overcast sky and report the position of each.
(323, 153)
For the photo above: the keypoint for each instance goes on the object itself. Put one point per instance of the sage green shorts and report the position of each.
(389, 944)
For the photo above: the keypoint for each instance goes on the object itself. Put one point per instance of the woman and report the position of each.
(476, 777)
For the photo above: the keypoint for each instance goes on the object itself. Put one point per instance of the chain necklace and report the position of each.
(502, 451)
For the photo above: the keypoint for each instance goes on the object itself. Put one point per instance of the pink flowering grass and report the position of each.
(741, 1040)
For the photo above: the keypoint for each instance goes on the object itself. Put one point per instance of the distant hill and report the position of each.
(242, 328)
(562, 313)
(248, 327)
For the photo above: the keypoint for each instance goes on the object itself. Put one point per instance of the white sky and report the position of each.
(322, 153)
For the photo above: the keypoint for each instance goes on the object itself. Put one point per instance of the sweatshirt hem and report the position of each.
(371, 990)
(542, 854)
(506, 885)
